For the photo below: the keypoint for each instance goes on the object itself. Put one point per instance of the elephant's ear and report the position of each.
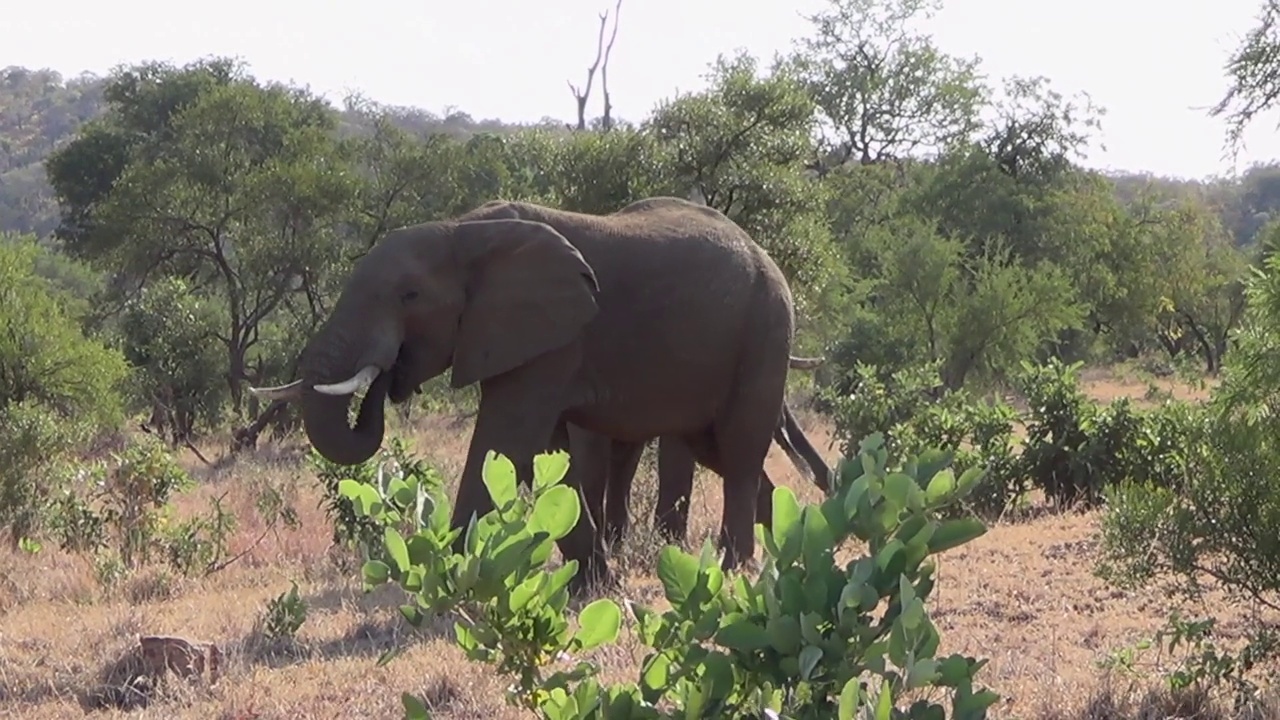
(528, 292)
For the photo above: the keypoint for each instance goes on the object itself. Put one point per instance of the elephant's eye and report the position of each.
(410, 296)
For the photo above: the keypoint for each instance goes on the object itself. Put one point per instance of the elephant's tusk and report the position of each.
(358, 382)
(292, 391)
(805, 363)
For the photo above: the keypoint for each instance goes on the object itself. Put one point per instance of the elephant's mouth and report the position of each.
(401, 388)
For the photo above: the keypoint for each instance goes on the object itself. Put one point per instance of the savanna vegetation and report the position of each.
(1051, 394)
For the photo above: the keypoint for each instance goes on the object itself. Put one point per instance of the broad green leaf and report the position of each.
(500, 478)
(412, 614)
(850, 700)
(599, 623)
(819, 542)
(784, 633)
(956, 532)
(884, 704)
(396, 548)
(743, 636)
(809, 658)
(521, 594)
(953, 670)
(717, 676)
(903, 491)
(932, 461)
(413, 708)
(403, 495)
(375, 572)
(921, 673)
(549, 469)
(968, 705)
(786, 525)
(421, 549)
(558, 580)
(349, 488)
(556, 512)
(655, 675)
(941, 487)
(678, 571)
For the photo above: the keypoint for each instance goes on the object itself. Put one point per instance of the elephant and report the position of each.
(675, 477)
(661, 318)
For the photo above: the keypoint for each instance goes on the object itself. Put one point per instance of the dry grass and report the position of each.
(1023, 595)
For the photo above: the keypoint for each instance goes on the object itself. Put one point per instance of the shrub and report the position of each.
(119, 514)
(1076, 448)
(806, 638)
(913, 412)
(57, 387)
(170, 336)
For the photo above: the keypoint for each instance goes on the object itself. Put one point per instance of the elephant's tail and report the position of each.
(791, 438)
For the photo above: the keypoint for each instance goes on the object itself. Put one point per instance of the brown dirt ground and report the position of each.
(1023, 596)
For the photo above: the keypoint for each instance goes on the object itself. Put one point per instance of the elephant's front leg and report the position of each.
(764, 501)
(675, 487)
(519, 417)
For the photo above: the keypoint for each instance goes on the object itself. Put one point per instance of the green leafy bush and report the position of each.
(393, 475)
(806, 638)
(170, 336)
(1076, 448)
(913, 412)
(57, 387)
(119, 514)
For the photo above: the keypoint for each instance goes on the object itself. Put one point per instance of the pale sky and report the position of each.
(1155, 66)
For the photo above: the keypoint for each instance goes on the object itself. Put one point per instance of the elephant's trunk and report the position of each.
(333, 366)
(325, 419)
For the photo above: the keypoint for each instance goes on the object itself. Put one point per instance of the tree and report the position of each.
(741, 146)
(170, 337)
(601, 64)
(204, 174)
(929, 299)
(884, 91)
(1254, 71)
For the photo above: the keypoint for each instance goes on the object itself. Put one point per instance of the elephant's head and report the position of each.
(482, 297)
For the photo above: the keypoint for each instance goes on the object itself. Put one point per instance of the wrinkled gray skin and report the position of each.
(663, 318)
(675, 478)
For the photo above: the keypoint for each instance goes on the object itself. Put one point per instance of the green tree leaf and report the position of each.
(549, 469)
(396, 548)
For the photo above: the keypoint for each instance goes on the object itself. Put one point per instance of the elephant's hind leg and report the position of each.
(624, 459)
(743, 433)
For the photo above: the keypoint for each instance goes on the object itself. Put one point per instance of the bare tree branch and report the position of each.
(606, 121)
(581, 95)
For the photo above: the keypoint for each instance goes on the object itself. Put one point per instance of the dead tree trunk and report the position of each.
(601, 64)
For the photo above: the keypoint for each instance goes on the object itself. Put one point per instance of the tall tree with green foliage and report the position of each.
(203, 173)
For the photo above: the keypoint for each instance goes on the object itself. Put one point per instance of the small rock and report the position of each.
(161, 653)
